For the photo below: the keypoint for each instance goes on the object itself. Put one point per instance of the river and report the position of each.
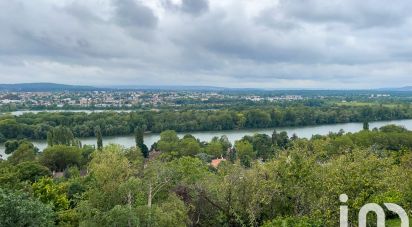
(233, 135)
(21, 112)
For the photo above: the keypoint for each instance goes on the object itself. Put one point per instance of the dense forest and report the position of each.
(36, 126)
(261, 180)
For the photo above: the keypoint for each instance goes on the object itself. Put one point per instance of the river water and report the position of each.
(233, 135)
(21, 112)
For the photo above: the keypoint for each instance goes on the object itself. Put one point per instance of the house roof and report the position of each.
(215, 162)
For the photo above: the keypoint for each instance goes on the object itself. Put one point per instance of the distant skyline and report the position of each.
(283, 44)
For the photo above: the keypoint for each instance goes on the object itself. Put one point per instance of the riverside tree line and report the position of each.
(36, 126)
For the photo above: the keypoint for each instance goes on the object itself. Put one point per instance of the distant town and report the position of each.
(122, 99)
(43, 96)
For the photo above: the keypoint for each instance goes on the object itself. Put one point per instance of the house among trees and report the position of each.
(216, 162)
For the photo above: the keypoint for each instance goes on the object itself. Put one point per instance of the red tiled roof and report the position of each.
(215, 162)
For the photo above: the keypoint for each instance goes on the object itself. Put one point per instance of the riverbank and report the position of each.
(233, 135)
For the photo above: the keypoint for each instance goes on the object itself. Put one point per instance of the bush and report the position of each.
(293, 222)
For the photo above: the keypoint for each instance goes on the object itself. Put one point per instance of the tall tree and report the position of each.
(366, 125)
(62, 136)
(245, 152)
(274, 137)
(138, 135)
(98, 133)
(49, 138)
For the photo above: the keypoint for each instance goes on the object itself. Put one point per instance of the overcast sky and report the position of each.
(229, 43)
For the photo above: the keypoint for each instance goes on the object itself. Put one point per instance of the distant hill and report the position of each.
(406, 88)
(42, 87)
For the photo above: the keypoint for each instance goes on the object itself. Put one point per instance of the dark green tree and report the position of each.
(99, 137)
(366, 125)
(50, 138)
(283, 140)
(32, 171)
(262, 144)
(25, 152)
(59, 157)
(274, 137)
(232, 155)
(2, 138)
(139, 139)
(17, 209)
(10, 146)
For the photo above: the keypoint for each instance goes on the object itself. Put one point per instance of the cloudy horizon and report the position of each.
(273, 44)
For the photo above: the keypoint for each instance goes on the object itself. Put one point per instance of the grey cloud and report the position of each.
(134, 14)
(235, 43)
(359, 14)
(195, 6)
(192, 7)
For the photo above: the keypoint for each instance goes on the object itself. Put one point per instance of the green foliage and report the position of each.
(171, 212)
(121, 215)
(269, 181)
(135, 158)
(365, 125)
(115, 189)
(24, 153)
(18, 209)
(139, 138)
(71, 172)
(293, 222)
(9, 177)
(168, 141)
(10, 146)
(36, 126)
(262, 144)
(110, 169)
(68, 218)
(188, 170)
(204, 157)
(2, 138)
(59, 157)
(48, 192)
(61, 136)
(393, 128)
(245, 152)
(214, 149)
(224, 141)
(99, 137)
(10, 129)
(32, 171)
(282, 140)
(188, 147)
